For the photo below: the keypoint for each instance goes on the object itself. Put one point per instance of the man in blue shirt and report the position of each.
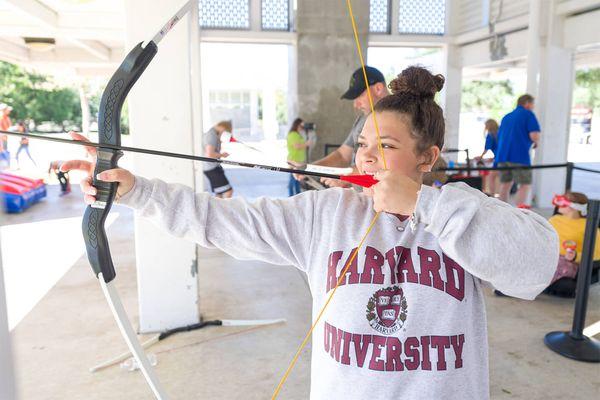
(519, 130)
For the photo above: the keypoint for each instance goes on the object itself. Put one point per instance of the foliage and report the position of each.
(587, 88)
(35, 96)
(494, 98)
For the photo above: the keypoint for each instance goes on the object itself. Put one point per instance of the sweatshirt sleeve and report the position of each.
(277, 231)
(513, 249)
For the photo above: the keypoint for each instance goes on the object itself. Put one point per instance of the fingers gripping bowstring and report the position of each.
(371, 225)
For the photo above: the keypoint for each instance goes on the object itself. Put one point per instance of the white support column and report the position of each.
(255, 15)
(553, 103)
(451, 94)
(7, 388)
(533, 46)
(85, 111)
(162, 110)
(292, 95)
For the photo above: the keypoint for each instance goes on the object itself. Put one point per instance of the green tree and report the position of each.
(35, 96)
(587, 88)
(494, 98)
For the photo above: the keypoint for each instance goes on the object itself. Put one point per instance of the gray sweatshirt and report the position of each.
(408, 321)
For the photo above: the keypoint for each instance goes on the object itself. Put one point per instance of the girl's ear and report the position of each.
(428, 159)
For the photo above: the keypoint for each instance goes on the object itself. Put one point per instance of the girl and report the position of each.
(24, 144)
(569, 222)
(296, 146)
(408, 321)
(490, 178)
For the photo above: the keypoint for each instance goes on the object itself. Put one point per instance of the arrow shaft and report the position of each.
(173, 155)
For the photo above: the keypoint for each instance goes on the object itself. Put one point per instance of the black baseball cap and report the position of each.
(357, 82)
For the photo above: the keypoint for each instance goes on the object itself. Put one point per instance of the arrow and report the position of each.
(360, 180)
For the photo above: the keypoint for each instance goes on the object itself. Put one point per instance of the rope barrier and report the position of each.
(541, 166)
(465, 168)
(586, 169)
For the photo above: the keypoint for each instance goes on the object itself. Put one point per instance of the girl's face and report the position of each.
(399, 148)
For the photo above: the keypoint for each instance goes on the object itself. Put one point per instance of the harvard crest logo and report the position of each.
(386, 310)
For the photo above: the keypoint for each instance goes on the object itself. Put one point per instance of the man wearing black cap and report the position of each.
(343, 156)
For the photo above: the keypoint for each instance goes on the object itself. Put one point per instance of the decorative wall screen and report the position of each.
(379, 16)
(422, 17)
(275, 15)
(224, 14)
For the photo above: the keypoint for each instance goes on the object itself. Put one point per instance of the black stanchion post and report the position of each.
(569, 180)
(468, 163)
(575, 344)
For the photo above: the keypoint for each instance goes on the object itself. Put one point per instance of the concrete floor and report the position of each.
(71, 329)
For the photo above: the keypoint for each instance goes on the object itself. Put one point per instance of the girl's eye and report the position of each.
(360, 144)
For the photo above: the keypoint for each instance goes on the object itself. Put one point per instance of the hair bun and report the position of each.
(417, 81)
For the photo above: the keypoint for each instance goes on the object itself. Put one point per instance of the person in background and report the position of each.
(296, 146)
(5, 124)
(213, 171)
(24, 144)
(570, 223)
(436, 178)
(490, 178)
(519, 130)
(63, 177)
(343, 156)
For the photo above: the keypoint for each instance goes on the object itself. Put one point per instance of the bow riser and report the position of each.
(109, 132)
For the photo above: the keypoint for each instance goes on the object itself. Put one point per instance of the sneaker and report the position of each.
(524, 206)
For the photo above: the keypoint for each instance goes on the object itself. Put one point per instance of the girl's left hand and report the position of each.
(395, 193)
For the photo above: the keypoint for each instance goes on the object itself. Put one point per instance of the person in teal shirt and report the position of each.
(296, 146)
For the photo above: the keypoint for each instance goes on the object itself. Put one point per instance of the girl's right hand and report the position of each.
(124, 178)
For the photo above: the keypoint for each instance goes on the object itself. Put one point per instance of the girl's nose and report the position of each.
(371, 153)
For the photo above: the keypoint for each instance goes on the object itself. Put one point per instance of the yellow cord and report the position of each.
(371, 225)
(364, 70)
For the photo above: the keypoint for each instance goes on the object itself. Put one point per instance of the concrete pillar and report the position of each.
(292, 94)
(326, 57)
(164, 111)
(7, 388)
(451, 96)
(533, 46)
(553, 101)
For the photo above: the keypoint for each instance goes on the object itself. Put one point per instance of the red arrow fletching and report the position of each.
(360, 180)
(232, 140)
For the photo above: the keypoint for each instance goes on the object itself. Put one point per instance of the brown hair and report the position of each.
(225, 125)
(491, 126)
(524, 99)
(412, 95)
(296, 124)
(576, 197)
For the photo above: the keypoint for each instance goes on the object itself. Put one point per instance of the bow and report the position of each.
(108, 154)
(109, 133)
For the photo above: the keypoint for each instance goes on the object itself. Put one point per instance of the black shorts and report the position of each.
(218, 181)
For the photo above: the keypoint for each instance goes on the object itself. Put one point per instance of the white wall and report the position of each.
(164, 114)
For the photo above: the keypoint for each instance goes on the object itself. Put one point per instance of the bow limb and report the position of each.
(109, 134)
